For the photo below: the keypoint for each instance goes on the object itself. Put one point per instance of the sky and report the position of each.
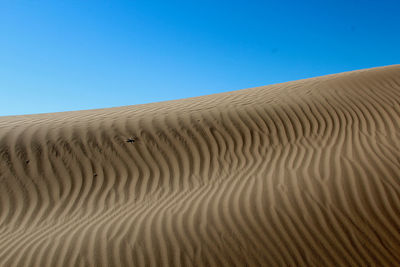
(73, 55)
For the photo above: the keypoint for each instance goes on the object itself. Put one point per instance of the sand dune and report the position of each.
(305, 173)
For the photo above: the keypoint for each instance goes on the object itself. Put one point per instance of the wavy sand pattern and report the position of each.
(305, 173)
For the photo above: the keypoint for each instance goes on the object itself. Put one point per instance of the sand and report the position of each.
(304, 173)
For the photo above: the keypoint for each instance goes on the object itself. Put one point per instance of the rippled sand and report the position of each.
(304, 173)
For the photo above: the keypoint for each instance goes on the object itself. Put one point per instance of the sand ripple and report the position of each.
(305, 173)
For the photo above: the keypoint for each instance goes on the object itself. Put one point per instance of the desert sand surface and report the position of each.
(304, 173)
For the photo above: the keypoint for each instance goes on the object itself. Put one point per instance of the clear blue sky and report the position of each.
(72, 55)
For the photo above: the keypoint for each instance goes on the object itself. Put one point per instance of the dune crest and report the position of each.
(304, 173)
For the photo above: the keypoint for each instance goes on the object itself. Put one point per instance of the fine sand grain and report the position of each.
(304, 173)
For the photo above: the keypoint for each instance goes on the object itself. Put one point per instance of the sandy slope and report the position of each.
(305, 173)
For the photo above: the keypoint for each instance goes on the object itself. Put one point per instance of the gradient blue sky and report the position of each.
(72, 55)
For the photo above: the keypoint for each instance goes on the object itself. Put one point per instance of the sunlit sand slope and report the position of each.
(305, 173)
